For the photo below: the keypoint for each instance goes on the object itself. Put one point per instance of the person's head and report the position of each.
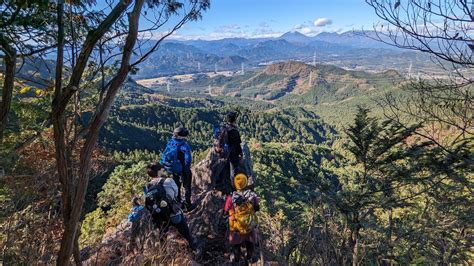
(155, 170)
(240, 181)
(180, 133)
(231, 117)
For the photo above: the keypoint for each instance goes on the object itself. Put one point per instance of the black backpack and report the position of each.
(155, 194)
(221, 140)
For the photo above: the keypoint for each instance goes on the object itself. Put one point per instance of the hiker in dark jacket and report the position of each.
(182, 174)
(167, 212)
(230, 139)
(235, 154)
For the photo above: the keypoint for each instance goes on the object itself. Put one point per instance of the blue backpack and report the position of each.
(169, 160)
(135, 213)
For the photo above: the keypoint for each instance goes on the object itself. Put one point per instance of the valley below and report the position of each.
(346, 166)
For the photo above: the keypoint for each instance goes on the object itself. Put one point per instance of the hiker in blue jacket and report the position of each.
(177, 159)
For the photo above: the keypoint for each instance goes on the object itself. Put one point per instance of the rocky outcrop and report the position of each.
(207, 221)
(139, 244)
(207, 173)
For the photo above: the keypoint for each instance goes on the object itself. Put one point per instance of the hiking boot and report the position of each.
(252, 260)
(198, 252)
(232, 258)
(193, 243)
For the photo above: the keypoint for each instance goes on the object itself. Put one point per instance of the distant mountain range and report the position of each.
(350, 50)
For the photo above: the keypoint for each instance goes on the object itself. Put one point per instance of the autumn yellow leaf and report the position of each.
(25, 89)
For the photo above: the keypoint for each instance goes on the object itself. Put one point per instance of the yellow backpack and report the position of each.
(242, 217)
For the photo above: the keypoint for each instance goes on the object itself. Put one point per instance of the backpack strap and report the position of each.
(162, 181)
(232, 200)
(230, 127)
(160, 184)
(247, 195)
(235, 195)
(224, 135)
(149, 186)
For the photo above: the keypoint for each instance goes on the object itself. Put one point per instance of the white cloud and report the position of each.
(262, 30)
(320, 22)
(305, 30)
(228, 27)
(152, 35)
(299, 27)
(265, 33)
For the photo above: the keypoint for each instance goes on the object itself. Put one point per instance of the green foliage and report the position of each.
(285, 176)
(149, 126)
(385, 187)
(122, 184)
(114, 201)
(374, 187)
(93, 228)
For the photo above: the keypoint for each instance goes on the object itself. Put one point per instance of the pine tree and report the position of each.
(373, 165)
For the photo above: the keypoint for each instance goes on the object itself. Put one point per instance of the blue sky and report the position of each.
(269, 18)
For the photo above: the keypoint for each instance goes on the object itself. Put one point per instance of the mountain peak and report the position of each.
(325, 33)
(295, 36)
(293, 33)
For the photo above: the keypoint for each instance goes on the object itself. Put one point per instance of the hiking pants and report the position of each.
(185, 180)
(228, 173)
(183, 229)
(249, 247)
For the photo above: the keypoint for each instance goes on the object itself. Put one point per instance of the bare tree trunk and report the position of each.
(76, 191)
(8, 83)
(354, 238)
(69, 235)
(389, 236)
(76, 252)
(59, 121)
(355, 247)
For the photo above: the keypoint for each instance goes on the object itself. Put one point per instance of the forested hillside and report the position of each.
(317, 188)
(149, 127)
(320, 186)
(354, 163)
